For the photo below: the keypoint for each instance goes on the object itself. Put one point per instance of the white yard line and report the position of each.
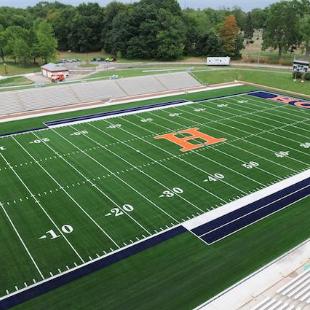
(62, 188)
(42, 208)
(114, 174)
(22, 241)
(141, 171)
(92, 184)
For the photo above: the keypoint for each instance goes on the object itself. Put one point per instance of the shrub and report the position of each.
(307, 76)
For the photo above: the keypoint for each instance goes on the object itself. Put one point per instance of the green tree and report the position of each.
(249, 27)
(259, 17)
(3, 42)
(21, 51)
(171, 38)
(305, 33)
(282, 26)
(46, 43)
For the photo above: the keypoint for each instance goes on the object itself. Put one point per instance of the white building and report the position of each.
(51, 69)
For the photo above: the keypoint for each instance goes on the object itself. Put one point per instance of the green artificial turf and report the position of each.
(182, 273)
(78, 192)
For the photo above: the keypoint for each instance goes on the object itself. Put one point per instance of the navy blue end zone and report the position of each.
(232, 222)
(87, 269)
(300, 103)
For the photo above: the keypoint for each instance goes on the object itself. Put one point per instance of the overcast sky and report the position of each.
(245, 4)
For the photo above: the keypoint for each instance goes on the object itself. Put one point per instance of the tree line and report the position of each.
(149, 29)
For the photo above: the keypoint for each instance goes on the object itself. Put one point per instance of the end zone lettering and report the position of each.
(282, 99)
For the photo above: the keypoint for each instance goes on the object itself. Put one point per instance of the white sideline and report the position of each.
(130, 112)
(239, 203)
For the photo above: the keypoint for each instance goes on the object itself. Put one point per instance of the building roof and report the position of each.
(302, 62)
(54, 67)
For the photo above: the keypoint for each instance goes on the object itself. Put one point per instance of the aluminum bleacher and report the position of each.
(294, 295)
(70, 94)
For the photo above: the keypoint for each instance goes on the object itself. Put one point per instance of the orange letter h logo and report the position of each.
(193, 133)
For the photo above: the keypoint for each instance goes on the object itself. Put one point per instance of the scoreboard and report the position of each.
(300, 66)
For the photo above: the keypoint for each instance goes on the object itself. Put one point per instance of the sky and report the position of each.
(244, 4)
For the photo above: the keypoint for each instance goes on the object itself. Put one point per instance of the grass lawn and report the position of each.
(88, 65)
(83, 56)
(279, 79)
(15, 81)
(13, 69)
(182, 272)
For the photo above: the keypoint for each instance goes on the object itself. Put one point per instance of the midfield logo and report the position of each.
(191, 134)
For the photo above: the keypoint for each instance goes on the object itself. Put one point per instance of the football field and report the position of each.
(73, 194)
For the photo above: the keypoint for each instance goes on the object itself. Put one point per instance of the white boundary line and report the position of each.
(129, 113)
(254, 211)
(242, 202)
(262, 218)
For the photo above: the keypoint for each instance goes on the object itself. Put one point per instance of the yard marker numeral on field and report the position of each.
(171, 193)
(113, 126)
(51, 234)
(250, 165)
(175, 114)
(38, 141)
(215, 177)
(2, 148)
(222, 105)
(282, 154)
(120, 211)
(305, 145)
(199, 110)
(146, 120)
(79, 133)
